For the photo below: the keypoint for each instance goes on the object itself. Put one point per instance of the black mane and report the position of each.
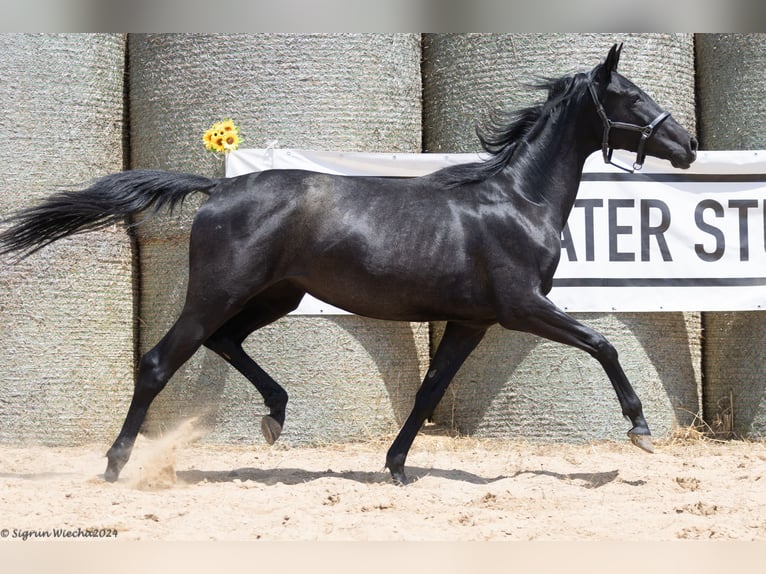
(504, 130)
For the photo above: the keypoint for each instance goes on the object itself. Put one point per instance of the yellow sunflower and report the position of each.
(222, 136)
(207, 139)
(230, 141)
(227, 126)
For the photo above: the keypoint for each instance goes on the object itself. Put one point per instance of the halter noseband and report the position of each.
(645, 131)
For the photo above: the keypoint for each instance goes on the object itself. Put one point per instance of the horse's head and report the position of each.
(631, 120)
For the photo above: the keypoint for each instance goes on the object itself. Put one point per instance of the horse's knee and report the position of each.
(429, 394)
(603, 350)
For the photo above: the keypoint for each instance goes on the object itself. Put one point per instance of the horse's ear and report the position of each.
(613, 58)
(603, 72)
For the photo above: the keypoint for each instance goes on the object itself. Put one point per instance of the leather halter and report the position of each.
(645, 131)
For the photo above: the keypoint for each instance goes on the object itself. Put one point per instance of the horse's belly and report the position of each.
(403, 298)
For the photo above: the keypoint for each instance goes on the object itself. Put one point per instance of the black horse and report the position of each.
(472, 245)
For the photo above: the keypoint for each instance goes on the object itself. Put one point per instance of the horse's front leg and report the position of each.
(541, 317)
(457, 343)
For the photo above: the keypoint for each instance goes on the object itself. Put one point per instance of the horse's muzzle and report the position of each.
(685, 160)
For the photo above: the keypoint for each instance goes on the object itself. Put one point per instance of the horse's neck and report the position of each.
(551, 162)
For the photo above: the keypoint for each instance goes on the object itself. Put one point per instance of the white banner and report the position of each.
(661, 239)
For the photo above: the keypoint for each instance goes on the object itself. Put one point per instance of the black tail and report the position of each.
(110, 199)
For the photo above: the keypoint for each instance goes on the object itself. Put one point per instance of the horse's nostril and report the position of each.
(693, 143)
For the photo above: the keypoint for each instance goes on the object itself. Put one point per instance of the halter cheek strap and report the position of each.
(646, 132)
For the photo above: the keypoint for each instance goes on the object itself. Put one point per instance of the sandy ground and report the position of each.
(463, 489)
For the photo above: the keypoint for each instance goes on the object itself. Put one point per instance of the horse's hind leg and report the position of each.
(543, 318)
(155, 369)
(457, 343)
(227, 341)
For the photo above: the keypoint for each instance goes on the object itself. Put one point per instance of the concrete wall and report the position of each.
(348, 377)
(516, 384)
(66, 313)
(732, 93)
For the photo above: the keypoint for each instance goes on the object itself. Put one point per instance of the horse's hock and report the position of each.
(66, 314)
(517, 385)
(731, 68)
(348, 377)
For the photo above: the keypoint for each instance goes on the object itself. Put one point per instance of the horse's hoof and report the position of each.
(395, 465)
(642, 441)
(111, 474)
(271, 429)
(115, 461)
(400, 479)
